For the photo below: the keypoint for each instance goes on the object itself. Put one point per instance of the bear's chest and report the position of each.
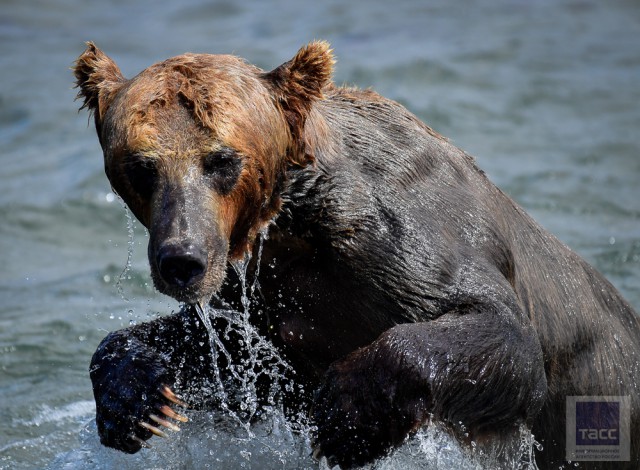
(315, 306)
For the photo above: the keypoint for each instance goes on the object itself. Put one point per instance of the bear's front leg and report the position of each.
(134, 372)
(484, 371)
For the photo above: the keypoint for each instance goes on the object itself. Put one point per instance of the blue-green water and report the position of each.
(544, 93)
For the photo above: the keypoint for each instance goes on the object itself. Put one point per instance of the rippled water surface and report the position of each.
(545, 94)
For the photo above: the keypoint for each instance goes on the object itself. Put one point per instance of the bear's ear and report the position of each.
(298, 83)
(98, 78)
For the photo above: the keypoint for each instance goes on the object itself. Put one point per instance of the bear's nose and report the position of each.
(181, 265)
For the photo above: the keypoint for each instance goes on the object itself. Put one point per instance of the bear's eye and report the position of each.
(142, 174)
(222, 168)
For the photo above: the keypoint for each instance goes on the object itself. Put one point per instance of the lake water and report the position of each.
(545, 94)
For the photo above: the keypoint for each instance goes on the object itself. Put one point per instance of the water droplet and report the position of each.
(130, 242)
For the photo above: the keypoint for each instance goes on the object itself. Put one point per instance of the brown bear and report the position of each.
(400, 284)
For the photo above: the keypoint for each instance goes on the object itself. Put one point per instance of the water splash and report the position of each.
(253, 358)
(130, 242)
(434, 448)
(526, 450)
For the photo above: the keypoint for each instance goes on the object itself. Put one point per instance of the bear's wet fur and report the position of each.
(399, 282)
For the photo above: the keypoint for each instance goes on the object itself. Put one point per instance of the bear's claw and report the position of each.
(153, 429)
(172, 397)
(140, 442)
(163, 422)
(167, 411)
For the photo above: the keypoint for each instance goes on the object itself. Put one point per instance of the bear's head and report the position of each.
(197, 146)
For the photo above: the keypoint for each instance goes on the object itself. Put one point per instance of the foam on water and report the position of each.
(211, 440)
(49, 414)
(214, 440)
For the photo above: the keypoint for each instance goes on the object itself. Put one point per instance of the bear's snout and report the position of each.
(181, 264)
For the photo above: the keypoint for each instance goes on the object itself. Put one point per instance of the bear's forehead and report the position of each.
(187, 102)
(196, 80)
